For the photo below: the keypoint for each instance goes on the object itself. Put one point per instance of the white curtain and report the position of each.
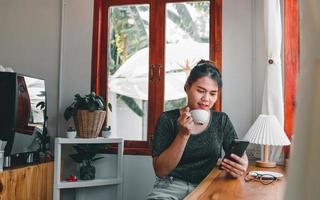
(272, 102)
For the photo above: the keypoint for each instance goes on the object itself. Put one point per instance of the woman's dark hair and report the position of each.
(201, 69)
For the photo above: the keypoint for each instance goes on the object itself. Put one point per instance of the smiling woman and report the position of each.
(142, 64)
(184, 152)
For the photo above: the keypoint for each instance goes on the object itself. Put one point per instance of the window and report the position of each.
(142, 53)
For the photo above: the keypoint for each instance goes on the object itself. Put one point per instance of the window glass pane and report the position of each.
(128, 58)
(187, 41)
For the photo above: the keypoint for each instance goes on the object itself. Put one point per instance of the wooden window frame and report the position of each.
(99, 58)
(291, 64)
(291, 59)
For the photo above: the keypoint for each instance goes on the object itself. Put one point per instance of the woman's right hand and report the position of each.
(185, 121)
(168, 160)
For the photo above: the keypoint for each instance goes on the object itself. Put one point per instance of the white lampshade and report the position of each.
(267, 130)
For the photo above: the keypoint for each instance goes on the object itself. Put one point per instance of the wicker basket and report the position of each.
(88, 124)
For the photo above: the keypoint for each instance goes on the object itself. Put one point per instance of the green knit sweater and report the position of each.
(202, 150)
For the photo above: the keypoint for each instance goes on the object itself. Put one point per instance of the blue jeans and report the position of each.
(170, 188)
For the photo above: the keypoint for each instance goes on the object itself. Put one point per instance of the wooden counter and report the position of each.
(33, 182)
(218, 186)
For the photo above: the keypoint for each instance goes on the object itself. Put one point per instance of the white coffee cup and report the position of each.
(199, 116)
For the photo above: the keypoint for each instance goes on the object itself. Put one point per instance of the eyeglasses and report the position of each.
(265, 179)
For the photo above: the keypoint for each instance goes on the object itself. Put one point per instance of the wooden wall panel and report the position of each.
(27, 183)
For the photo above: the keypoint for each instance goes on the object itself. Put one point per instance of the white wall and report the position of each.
(30, 42)
(76, 48)
(243, 64)
(237, 62)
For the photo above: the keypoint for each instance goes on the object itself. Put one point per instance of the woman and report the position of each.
(185, 152)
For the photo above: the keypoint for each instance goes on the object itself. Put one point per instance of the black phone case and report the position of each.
(238, 147)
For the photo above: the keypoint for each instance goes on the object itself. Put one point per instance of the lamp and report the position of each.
(266, 130)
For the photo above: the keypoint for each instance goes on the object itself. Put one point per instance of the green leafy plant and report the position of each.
(91, 102)
(70, 128)
(42, 138)
(86, 153)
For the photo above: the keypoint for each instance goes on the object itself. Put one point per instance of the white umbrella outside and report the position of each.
(131, 79)
(137, 87)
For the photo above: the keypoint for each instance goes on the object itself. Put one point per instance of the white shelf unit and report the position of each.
(59, 184)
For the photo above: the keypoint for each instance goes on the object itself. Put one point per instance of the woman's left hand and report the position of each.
(238, 168)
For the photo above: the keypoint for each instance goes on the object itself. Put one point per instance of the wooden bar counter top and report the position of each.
(217, 185)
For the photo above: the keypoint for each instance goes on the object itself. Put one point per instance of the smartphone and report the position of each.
(238, 147)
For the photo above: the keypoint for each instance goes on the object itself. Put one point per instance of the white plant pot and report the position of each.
(71, 134)
(106, 134)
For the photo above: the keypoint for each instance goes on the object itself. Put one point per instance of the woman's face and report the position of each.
(202, 93)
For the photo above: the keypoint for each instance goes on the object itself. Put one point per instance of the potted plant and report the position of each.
(106, 131)
(71, 132)
(88, 114)
(86, 156)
